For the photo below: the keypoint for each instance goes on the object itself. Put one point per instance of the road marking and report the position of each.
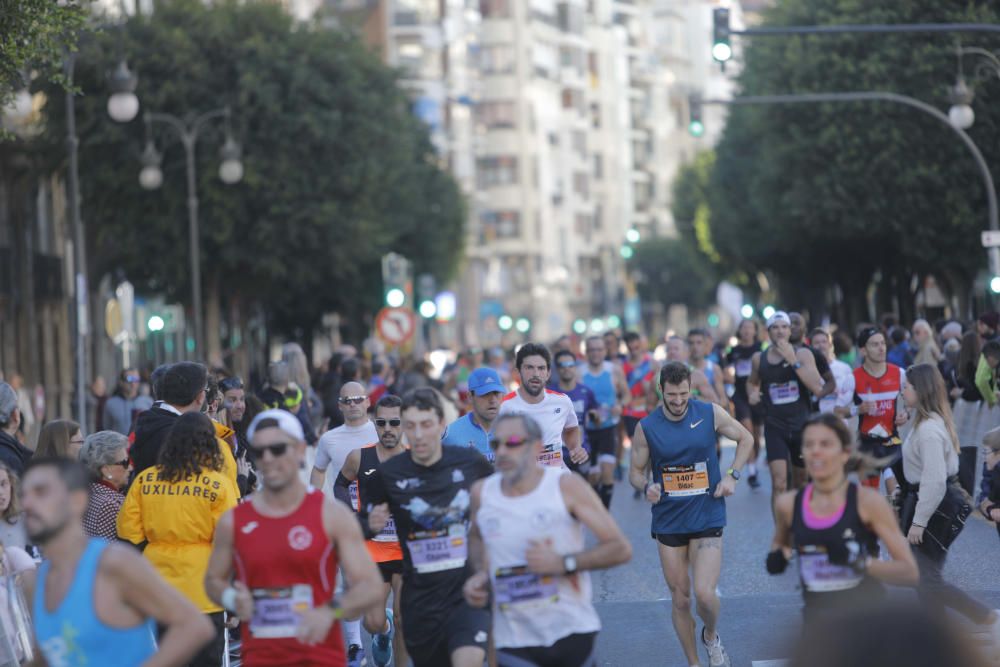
(769, 663)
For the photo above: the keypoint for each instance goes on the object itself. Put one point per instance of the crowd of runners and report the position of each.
(458, 521)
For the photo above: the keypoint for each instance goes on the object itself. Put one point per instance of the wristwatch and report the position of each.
(569, 564)
(797, 365)
(734, 473)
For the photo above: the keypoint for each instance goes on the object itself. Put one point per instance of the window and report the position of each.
(598, 165)
(497, 114)
(495, 171)
(570, 18)
(584, 226)
(496, 59)
(580, 143)
(581, 184)
(499, 225)
(494, 9)
(573, 99)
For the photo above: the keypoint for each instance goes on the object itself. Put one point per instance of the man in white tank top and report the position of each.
(526, 545)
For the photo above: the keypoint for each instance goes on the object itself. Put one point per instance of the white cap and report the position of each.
(286, 422)
(778, 317)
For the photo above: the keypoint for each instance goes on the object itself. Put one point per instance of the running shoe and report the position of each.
(753, 481)
(382, 643)
(356, 656)
(717, 656)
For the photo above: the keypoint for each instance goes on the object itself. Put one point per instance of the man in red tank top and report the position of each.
(275, 558)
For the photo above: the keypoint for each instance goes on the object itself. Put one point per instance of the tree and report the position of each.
(338, 171)
(670, 273)
(832, 195)
(35, 35)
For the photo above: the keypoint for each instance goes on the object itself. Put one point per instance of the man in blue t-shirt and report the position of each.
(584, 401)
(473, 428)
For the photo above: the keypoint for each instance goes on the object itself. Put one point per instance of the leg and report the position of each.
(211, 654)
(374, 620)
(467, 635)
(399, 641)
(674, 561)
(799, 475)
(937, 593)
(706, 564)
(606, 460)
(778, 457)
(468, 656)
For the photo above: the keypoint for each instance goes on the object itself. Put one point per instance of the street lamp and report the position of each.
(123, 105)
(230, 172)
(961, 114)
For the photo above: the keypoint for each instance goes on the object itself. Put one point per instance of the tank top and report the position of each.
(826, 586)
(637, 377)
(384, 547)
(883, 391)
(531, 610)
(786, 398)
(741, 359)
(289, 564)
(684, 461)
(73, 636)
(603, 386)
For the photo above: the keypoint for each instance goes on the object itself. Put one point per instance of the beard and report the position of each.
(532, 391)
(389, 443)
(45, 534)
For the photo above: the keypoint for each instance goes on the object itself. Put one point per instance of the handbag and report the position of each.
(948, 519)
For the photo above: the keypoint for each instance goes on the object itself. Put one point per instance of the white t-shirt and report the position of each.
(843, 376)
(333, 448)
(553, 413)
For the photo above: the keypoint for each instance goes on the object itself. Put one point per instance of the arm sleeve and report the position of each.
(375, 495)
(931, 441)
(129, 524)
(342, 490)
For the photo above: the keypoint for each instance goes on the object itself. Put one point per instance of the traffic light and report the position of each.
(426, 288)
(155, 323)
(396, 281)
(696, 127)
(995, 285)
(722, 50)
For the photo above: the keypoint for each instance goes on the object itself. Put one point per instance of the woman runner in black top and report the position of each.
(834, 526)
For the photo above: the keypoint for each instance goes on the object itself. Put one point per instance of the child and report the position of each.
(989, 487)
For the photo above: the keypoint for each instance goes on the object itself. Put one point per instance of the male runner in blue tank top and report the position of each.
(677, 443)
(95, 603)
(607, 381)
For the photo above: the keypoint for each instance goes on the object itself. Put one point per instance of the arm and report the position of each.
(639, 466)
(317, 477)
(902, 569)
(477, 587)
(931, 442)
(753, 382)
(719, 386)
(810, 376)
(726, 426)
(699, 382)
(825, 373)
(348, 474)
(612, 547)
(129, 522)
(621, 390)
(572, 435)
(142, 589)
(652, 397)
(374, 513)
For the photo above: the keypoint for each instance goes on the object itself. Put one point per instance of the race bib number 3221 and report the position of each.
(435, 551)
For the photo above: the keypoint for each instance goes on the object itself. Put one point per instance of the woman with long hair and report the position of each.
(934, 507)
(60, 438)
(925, 347)
(174, 507)
(835, 525)
(969, 410)
(11, 519)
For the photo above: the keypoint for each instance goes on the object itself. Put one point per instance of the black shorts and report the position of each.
(465, 626)
(783, 445)
(630, 424)
(603, 442)
(746, 412)
(570, 651)
(879, 448)
(389, 568)
(683, 539)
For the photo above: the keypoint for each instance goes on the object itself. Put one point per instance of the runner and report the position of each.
(551, 409)
(117, 626)
(834, 526)
(530, 518)
(797, 333)
(473, 428)
(351, 487)
(843, 375)
(425, 491)
(640, 370)
(781, 377)
(677, 443)
(607, 381)
(700, 346)
(878, 387)
(584, 401)
(275, 558)
(740, 360)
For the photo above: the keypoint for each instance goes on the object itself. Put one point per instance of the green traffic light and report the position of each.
(696, 128)
(155, 323)
(995, 285)
(428, 309)
(395, 297)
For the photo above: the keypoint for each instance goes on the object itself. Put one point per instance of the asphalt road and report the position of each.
(760, 613)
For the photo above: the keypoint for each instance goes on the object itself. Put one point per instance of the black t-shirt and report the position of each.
(741, 359)
(430, 506)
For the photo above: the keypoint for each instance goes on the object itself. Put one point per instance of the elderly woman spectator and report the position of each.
(105, 455)
(60, 438)
(924, 346)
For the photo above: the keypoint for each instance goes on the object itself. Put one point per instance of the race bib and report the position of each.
(438, 550)
(387, 534)
(743, 368)
(783, 393)
(819, 575)
(276, 611)
(517, 586)
(681, 481)
(355, 498)
(551, 456)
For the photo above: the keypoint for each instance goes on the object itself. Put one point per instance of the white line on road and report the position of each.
(769, 663)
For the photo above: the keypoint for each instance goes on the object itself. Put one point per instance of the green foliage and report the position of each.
(671, 273)
(818, 195)
(35, 35)
(338, 171)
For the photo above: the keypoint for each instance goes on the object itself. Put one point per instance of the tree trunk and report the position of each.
(213, 321)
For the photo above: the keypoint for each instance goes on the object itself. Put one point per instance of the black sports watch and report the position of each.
(569, 564)
(734, 473)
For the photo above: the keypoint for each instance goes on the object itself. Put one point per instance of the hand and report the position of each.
(378, 518)
(477, 590)
(244, 601)
(754, 397)
(243, 466)
(866, 407)
(542, 558)
(902, 417)
(787, 352)
(955, 393)
(616, 411)
(916, 534)
(314, 625)
(726, 487)
(653, 493)
(594, 416)
(994, 515)
(232, 622)
(579, 455)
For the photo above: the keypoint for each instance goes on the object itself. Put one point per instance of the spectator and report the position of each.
(951, 331)
(174, 508)
(119, 410)
(989, 489)
(12, 452)
(900, 352)
(843, 348)
(60, 438)
(925, 349)
(105, 455)
(24, 404)
(283, 394)
(11, 524)
(969, 411)
(986, 326)
(986, 373)
(949, 369)
(298, 369)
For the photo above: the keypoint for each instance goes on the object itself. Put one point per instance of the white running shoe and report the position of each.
(717, 656)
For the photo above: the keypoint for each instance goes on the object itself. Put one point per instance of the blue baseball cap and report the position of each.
(484, 381)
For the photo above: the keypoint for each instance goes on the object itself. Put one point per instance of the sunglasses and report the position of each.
(257, 453)
(391, 422)
(566, 364)
(131, 378)
(124, 463)
(509, 443)
(230, 383)
(352, 400)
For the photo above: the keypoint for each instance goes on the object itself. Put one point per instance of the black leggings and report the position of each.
(935, 592)
(571, 651)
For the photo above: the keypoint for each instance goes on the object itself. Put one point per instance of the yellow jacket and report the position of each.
(178, 522)
(223, 434)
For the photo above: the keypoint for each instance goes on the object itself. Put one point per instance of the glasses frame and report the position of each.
(389, 422)
(352, 400)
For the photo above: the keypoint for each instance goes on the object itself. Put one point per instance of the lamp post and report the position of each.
(151, 177)
(961, 95)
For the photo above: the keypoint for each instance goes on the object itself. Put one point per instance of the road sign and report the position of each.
(991, 239)
(396, 325)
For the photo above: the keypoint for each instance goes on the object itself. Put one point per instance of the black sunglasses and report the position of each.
(230, 383)
(257, 453)
(508, 443)
(380, 422)
(124, 463)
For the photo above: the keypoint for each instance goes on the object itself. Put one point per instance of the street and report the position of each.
(759, 612)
